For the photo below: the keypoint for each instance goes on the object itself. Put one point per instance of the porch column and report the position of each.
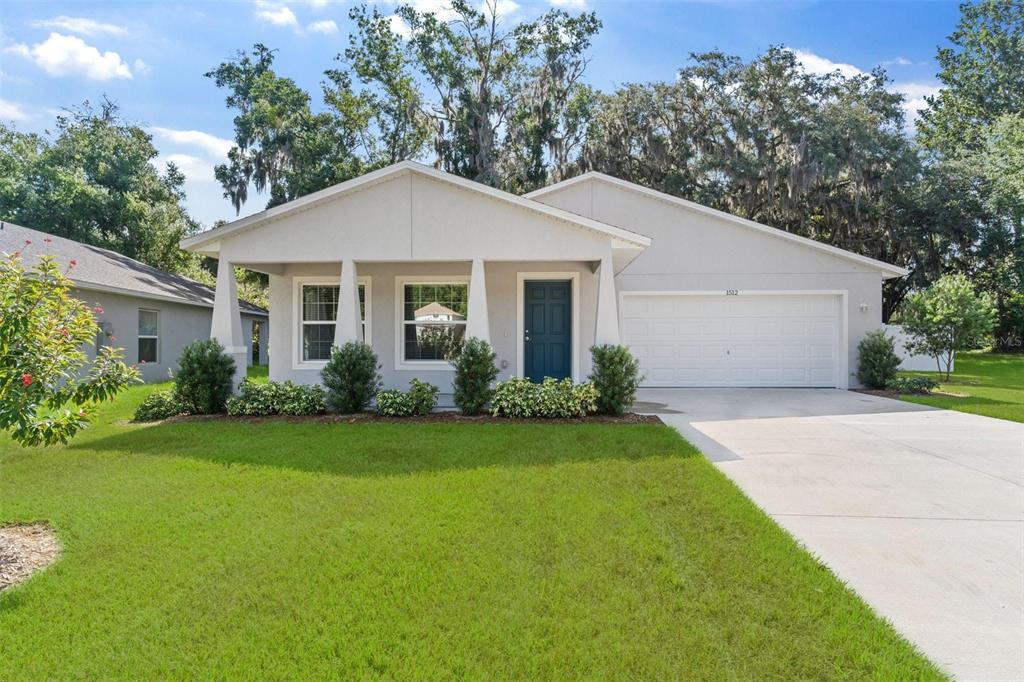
(477, 324)
(607, 328)
(226, 324)
(349, 323)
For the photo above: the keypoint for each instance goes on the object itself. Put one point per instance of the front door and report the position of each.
(547, 329)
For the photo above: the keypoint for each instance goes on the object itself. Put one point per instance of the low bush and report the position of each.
(551, 399)
(287, 398)
(419, 400)
(157, 406)
(912, 385)
(475, 371)
(351, 377)
(877, 360)
(203, 382)
(616, 376)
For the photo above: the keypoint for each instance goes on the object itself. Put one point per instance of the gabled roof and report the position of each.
(626, 237)
(887, 269)
(99, 269)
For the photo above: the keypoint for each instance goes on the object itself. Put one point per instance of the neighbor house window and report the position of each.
(433, 319)
(149, 335)
(319, 310)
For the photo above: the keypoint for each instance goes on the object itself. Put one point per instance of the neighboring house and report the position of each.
(149, 313)
(703, 298)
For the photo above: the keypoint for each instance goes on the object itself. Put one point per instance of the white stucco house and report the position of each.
(412, 259)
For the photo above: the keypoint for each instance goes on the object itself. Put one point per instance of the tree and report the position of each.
(94, 182)
(44, 398)
(948, 316)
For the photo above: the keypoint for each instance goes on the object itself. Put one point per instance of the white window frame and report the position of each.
(297, 322)
(400, 281)
(155, 337)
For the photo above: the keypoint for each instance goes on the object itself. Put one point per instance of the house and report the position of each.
(150, 313)
(702, 298)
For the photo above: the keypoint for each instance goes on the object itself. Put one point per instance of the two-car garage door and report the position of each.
(734, 340)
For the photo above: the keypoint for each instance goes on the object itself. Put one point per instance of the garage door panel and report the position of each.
(700, 340)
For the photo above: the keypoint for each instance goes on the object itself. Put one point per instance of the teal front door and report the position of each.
(547, 329)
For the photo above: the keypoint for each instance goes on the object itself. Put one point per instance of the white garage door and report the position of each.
(741, 340)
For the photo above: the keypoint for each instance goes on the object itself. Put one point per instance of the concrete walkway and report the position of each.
(921, 511)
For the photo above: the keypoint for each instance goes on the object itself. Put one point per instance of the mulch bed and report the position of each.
(879, 392)
(25, 549)
(433, 417)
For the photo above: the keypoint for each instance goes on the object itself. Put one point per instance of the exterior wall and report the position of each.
(691, 251)
(916, 363)
(502, 284)
(179, 325)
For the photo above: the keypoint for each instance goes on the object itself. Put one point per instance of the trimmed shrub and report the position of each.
(203, 382)
(551, 399)
(157, 406)
(475, 371)
(257, 400)
(616, 376)
(419, 400)
(877, 360)
(912, 385)
(351, 377)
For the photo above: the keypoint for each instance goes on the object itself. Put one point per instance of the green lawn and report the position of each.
(990, 384)
(277, 550)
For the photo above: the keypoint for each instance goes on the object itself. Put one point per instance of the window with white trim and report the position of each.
(433, 320)
(149, 335)
(318, 315)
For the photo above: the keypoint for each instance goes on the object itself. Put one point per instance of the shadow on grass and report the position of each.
(394, 449)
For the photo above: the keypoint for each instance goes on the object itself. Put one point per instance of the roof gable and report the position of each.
(887, 269)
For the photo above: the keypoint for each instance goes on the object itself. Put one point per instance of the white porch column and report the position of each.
(477, 324)
(349, 323)
(226, 325)
(607, 328)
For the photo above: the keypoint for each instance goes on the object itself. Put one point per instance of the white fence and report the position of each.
(915, 363)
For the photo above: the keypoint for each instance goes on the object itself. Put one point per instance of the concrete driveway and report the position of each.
(920, 510)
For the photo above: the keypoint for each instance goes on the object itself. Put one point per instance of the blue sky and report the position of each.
(150, 56)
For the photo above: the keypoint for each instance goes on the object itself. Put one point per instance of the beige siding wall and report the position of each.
(691, 251)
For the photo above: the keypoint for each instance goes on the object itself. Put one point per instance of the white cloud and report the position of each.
(821, 66)
(505, 8)
(9, 111)
(899, 61)
(399, 26)
(211, 144)
(61, 55)
(276, 15)
(80, 25)
(569, 4)
(194, 168)
(326, 26)
(915, 94)
(141, 68)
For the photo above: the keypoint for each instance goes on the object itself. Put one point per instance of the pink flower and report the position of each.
(142, 362)
(27, 242)
(72, 263)
(47, 240)
(113, 338)
(26, 379)
(98, 310)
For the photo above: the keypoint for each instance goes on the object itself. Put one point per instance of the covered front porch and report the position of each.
(541, 317)
(412, 260)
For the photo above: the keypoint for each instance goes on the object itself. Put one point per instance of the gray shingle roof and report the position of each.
(96, 267)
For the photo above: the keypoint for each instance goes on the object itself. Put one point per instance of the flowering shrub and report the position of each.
(475, 371)
(44, 398)
(203, 382)
(287, 398)
(419, 400)
(912, 385)
(551, 399)
(157, 406)
(351, 377)
(616, 376)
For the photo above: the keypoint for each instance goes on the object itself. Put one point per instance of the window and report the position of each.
(433, 319)
(319, 311)
(149, 335)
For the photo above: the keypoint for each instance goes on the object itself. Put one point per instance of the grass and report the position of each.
(989, 384)
(225, 549)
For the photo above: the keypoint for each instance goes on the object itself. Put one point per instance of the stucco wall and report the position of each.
(693, 251)
(179, 325)
(383, 314)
